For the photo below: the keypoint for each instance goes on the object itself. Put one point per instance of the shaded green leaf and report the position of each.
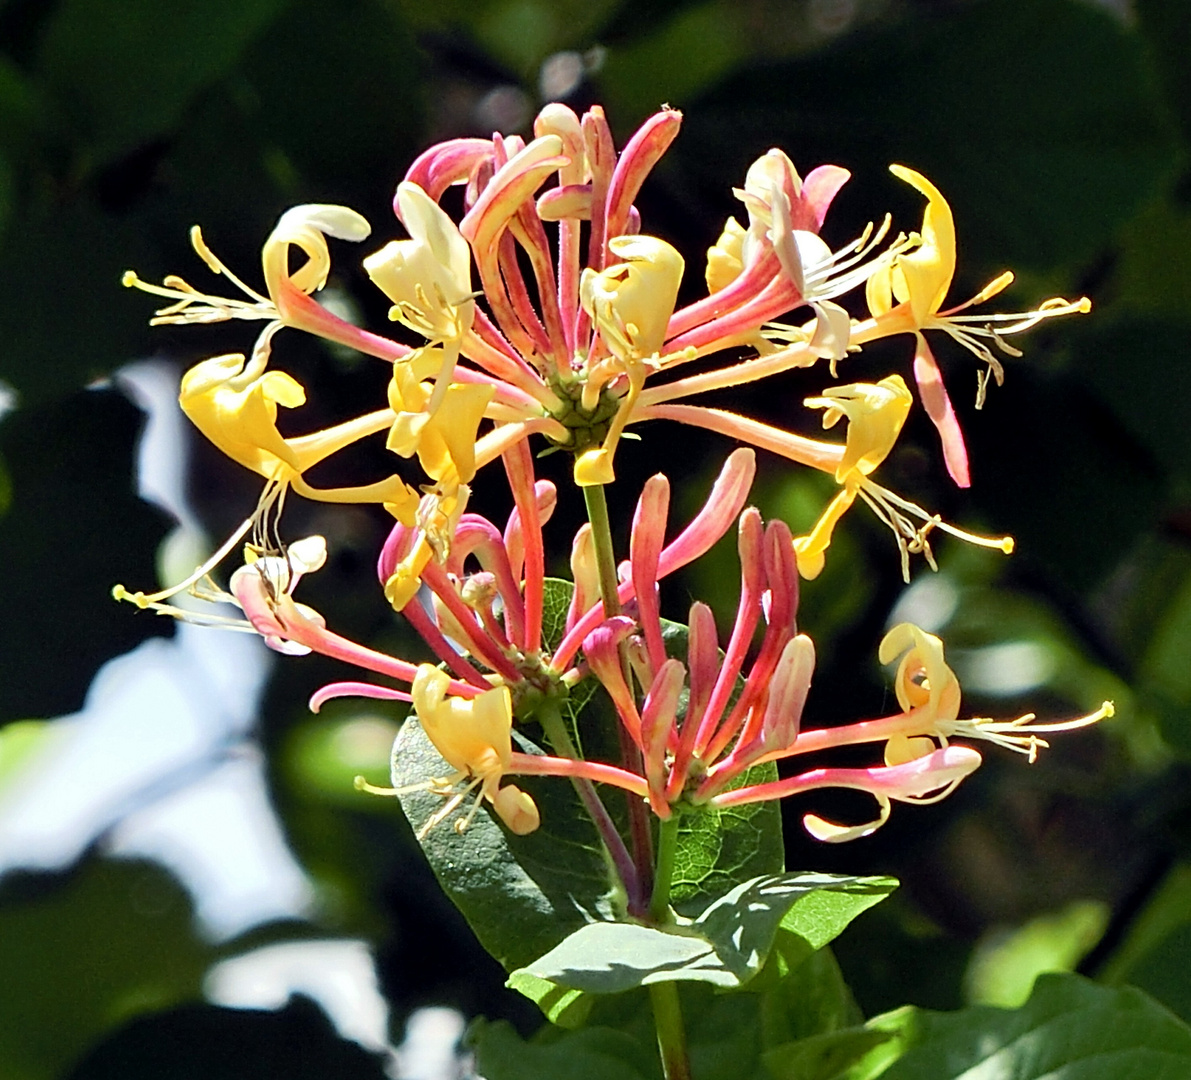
(594, 1053)
(1070, 1029)
(795, 997)
(126, 72)
(336, 101)
(1005, 965)
(725, 946)
(64, 321)
(518, 33)
(520, 894)
(691, 51)
(1156, 952)
(825, 1056)
(93, 948)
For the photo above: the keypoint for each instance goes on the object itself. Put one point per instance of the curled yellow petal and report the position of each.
(234, 404)
(631, 302)
(925, 273)
(594, 467)
(428, 277)
(923, 678)
(875, 412)
(810, 551)
(472, 734)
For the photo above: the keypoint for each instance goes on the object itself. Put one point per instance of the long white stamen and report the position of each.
(144, 600)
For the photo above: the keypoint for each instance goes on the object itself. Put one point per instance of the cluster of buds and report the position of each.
(587, 348)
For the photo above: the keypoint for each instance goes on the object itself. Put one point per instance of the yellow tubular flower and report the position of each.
(923, 682)
(235, 406)
(725, 259)
(875, 416)
(632, 301)
(630, 304)
(906, 295)
(928, 688)
(924, 275)
(443, 433)
(474, 737)
(428, 277)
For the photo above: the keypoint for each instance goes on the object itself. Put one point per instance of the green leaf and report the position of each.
(594, 1053)
(1070, 1029)
(566, 1008)
(520, 34)
(803, 993)
(693, 50)
(335, 95)
(125, 72)
(556, 602)
(1156, 952)
(796, 997)
(1005, 966)
(94, 947)
(60, 276)
(1165, 663)
(719, 848)
(520, 894)
(725, 946)
(825, 1056)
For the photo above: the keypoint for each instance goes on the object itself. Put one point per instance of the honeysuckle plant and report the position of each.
(570, 757)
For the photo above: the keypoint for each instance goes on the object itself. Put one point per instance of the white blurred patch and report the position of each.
(161, 756)
(339, 975)
(1004, 670)
(220, 837)
(560, 75)
(9, 398)
(154, 720)
(430, 1050)
(929, 603)
(506, 108)
(161, 458)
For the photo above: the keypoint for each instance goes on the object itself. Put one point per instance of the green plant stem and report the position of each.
(667, 1009)
(659, 901)
(630, 755)
(560, 740)
(601, 537)
(667, 1018)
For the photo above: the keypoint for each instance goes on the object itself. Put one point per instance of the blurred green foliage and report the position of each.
(1058, 131)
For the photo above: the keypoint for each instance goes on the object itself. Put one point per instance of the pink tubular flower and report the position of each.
(697, 747)
(543, 307)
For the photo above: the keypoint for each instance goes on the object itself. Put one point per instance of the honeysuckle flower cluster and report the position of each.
(537, 307)
(568, 355)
